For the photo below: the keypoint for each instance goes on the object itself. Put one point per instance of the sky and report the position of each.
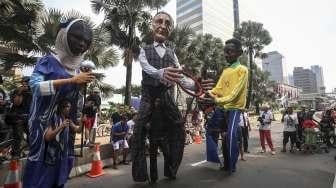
(303, 31)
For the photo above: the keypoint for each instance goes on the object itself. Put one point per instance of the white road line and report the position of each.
(201, 162)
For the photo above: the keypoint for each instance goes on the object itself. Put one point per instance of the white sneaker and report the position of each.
(262, 151)
(273, 152)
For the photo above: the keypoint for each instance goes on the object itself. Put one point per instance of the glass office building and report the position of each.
(207, 16)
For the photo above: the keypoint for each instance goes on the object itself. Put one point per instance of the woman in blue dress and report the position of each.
(56, 76)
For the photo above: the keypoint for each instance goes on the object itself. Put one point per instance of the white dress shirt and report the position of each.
(153, 72)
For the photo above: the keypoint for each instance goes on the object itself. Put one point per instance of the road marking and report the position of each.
(334, 184)
(201, 162)
(198, 163)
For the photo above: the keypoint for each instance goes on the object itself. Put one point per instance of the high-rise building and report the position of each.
(208, 16)
(305, 79)
(274, 63)
(290, 79)
(319, 77)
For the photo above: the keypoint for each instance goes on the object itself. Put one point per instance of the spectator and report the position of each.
(310, 135)
(265, 120)
(3, 109)
(302, 116)
(115, 117)
(17, 119)
(245, 128)
(89, 115)
(119, 141)
(94, 96)
(130, 125)
(290, 122)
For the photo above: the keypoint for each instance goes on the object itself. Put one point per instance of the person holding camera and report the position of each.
(265, 120)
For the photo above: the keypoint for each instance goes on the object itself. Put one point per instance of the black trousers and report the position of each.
(175, 136)
(299, 139)
(245, 137)
(289, 135)
(164, 145)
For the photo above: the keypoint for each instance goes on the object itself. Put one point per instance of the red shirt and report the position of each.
(309, 124)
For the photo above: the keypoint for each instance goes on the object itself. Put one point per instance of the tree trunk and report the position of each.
(257, 108)
(128, 62)
(250, 86)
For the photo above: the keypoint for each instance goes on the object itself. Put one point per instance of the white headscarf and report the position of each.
(63, 53)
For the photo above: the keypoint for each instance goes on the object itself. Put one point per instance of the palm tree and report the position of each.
(122, 17)
(207, 54)
(253, 37)
(18, 19)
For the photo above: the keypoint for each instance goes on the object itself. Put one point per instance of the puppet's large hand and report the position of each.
(172, 74)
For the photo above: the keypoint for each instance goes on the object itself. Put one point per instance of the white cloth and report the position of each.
(158, 73)
(120, 144)
(241, 120)
(290, 122)
(267, 118)
(130, 124)
(63, 53)
(95, 123)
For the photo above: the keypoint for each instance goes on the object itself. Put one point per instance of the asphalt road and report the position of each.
(283, 170)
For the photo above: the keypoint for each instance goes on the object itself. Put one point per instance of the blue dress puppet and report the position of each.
(50, 162)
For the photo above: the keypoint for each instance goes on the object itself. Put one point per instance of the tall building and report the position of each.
(207, 16)
(305, 79)
(319, 77)
(290, 79)
(274, 63)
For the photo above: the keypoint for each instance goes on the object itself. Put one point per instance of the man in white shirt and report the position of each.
(290, 123)
(265, 120)
(244, 125)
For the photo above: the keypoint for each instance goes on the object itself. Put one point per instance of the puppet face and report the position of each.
(79, 38)
(162, 27)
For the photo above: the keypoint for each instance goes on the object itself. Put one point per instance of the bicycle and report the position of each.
(104, 130)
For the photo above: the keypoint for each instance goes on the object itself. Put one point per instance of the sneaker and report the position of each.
(262, 151)
(125, 163)
(273, 152)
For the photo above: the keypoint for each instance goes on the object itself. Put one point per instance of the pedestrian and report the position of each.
(245, 127)
(310, 133)
(56, 76)
(229, 94)
(131, 124)
(17, 119)
(3, 111)
(302, 116)
(89, 116)
(161, 71)
(290, 123)
(265, 120)
(95, 97)
(119, 134)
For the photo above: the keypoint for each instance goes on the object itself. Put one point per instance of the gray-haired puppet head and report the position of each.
(162, 24)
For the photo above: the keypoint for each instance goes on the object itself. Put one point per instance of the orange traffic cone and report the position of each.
(13, 179)
(96, 165)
